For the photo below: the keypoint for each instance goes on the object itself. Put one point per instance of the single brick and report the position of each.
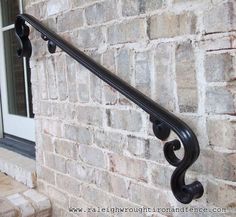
(78, 134)
(110, 95)
(46, 143)
(58, 110)
(46, 108)
(132, 168)
(147, 196)
(57, 6)
(215, 21)
(42, 79)
(167, 25)
(52, 127)
(186, 78)
(108, 60)
(160, 174)
(95, 82)
(136, 7)
(164, 76)
(137, 146)
(68, 184)
(96, 88)
(65, 148)
(185, 1)
(223, 168)
(185, 65)
(110, 140)
(124, 62)
(154, 151)
(221, 194)
(90, 37)
(49, 22)
(102, 180)
(51, 73)
(72, 67)
(94, 196)
(92, 156)
(188, 100)
(222, 133)
(119, 186)
(128, 31)
(61, 77)
(81, 3)
(218, 43)
(55, 162)
(80, 171)
(143, 70)
(132, 7)
(46, 174)
(130, 120)
(151, 5)
(220, 67)
(64, 24)
(58, 196)
(39, 48)
(220, 100)
(89, 115)
(83, 84)
(112, 183)
(70, 112)
(101, 12)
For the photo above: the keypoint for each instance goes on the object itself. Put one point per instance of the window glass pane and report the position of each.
(14, 75)
(10, 8)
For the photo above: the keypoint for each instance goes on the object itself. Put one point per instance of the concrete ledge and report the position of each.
(19, 167)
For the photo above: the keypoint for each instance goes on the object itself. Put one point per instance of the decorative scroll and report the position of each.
(22, 33)
(163, 121)
(183, 193)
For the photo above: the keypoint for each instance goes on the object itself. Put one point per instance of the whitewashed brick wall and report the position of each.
(95, 147)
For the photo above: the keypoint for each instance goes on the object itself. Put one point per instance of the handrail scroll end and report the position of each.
(22, 32)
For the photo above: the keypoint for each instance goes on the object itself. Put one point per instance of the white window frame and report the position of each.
(23, 127)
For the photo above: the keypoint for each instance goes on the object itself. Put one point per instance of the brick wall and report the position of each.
(95, 147)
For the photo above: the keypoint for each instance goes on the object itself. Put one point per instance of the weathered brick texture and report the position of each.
(220, 67)
(127, 31)
(186, 78)
(101, 12)
(168, 25)
(215, 22)
(94, 146)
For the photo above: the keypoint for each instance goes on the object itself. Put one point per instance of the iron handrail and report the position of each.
(163, 121)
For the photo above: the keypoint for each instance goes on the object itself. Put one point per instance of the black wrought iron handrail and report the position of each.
(163, 121)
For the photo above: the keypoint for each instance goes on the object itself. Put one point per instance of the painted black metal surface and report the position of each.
(163, 121)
